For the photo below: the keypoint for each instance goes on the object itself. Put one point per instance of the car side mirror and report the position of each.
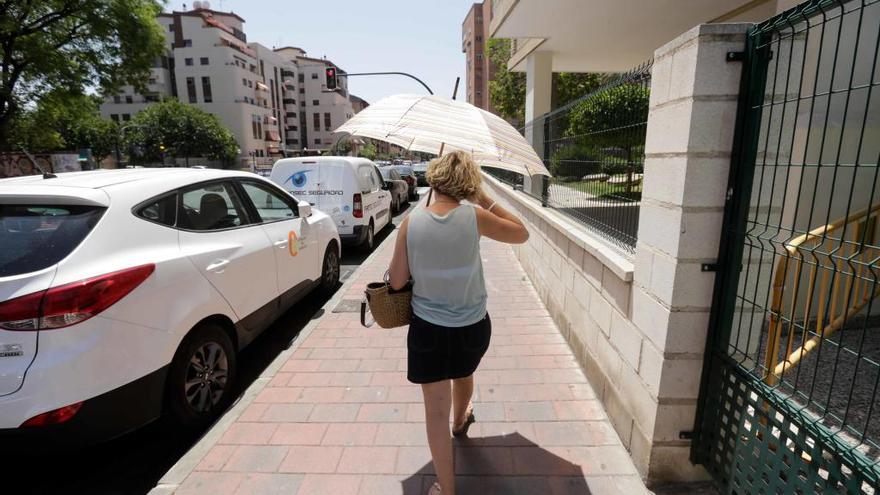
(305, 209)
(386, 186)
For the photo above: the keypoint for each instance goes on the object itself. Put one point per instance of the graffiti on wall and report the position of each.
(16, 164)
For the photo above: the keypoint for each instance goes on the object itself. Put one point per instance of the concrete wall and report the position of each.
(638, 325)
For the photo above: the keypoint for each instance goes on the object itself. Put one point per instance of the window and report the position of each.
(187, 61)
(317, 141)
(250, 83)
(316, 102)
(171, 27)
(271, 205)
(37, 236)
(302, 77)
(114, 117)
(210, 207)
(128, 99)
(126, 117)
(117, 99)
(316, 118)
(203, 60)
(191, 89)
(302, 103)
(187, 43)
(254, 119)
(163, 211)
(301, 91)
(151, 98)
(206, 89)
(327, 121)
(314, 75)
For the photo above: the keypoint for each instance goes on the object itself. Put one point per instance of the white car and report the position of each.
(128, 293)
(351, 190)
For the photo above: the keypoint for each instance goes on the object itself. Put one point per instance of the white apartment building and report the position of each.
(267, 98)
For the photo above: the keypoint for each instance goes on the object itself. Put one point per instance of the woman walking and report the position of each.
(438, 247)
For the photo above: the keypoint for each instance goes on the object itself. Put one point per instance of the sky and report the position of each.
(422, 37)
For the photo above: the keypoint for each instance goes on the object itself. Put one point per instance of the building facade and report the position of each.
(474, 33)
(266, 97)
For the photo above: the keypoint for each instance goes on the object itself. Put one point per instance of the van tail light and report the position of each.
(55, 417)
(357, 207)
(71, 303)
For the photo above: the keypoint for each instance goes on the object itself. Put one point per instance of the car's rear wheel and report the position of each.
(330, 270)
(201, 376)
(370, 239)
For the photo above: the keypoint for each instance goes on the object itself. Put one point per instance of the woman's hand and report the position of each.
(483, 199)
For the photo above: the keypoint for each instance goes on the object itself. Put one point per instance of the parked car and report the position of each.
(399, 188)
(406, 172)
(128, 293)
(420, 170)
(351, 190)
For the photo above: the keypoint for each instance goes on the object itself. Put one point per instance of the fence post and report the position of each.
(693, 103)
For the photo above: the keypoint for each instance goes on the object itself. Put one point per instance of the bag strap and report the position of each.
(364, 311)
(428, 202)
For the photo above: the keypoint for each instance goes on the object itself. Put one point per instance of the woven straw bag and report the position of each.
(389, 308)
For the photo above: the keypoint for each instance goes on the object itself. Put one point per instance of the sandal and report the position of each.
(462, 432)
(435, 489)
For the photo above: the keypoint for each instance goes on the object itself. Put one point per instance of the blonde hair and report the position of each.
(455, 174)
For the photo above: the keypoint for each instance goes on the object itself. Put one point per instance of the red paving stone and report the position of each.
(339, 416)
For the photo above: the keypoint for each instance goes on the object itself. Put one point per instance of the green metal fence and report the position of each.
(789, 399)
(595, 149)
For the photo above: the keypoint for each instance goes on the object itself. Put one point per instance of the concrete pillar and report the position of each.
(694, 93)
(539, 79)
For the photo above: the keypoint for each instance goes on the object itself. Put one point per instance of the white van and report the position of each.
(350, 190)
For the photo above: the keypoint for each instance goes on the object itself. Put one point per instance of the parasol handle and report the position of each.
(441, 149)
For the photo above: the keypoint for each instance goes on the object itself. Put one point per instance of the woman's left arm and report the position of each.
(399, 268)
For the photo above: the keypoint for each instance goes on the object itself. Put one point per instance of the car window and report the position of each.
(365, 178)
(162, 210)
(35, 237)
(377, 179)
(271, 205)
(386, 174)
(212, 206)
(394, 175)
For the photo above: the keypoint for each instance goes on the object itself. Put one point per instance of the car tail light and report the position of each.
(56, 417)
(70, 303)
(357, 206)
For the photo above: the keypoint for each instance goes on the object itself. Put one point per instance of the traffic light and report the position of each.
(331, 78)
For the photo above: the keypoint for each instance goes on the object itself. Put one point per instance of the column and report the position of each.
(694, 95)
(539, 79)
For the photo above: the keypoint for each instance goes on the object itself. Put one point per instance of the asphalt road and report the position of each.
(134, 463)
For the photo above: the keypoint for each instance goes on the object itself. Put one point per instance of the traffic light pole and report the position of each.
(342, 74)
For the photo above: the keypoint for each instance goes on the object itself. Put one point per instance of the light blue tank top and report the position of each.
(444, 261)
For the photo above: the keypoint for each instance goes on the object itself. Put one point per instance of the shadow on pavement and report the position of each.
(505, 464)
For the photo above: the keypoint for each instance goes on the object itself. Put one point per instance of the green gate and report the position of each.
(789, 400)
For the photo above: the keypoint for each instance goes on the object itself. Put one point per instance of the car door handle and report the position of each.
(281, 244)
(217, 266)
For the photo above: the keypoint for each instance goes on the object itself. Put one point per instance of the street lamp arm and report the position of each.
(341, 74)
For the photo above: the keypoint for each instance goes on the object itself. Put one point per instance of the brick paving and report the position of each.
(339, 417)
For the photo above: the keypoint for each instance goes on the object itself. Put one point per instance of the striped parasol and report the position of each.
(433, 124)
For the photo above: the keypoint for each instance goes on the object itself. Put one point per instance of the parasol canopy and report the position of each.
(433, 123)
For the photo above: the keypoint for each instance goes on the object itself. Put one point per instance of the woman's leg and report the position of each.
(462, 391)
(438, 400)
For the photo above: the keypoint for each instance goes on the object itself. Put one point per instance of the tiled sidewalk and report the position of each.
(339, 417)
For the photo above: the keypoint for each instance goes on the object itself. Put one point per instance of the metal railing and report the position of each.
(595, 148)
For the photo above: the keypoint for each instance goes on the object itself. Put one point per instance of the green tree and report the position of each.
(46, 45)
(611, 124)
(368, 151)
(64, 120)
(508, 89)
(171, 128)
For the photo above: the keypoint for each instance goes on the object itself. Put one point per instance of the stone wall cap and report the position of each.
(738, 29)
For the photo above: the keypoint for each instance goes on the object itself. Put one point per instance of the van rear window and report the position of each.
(38, 236)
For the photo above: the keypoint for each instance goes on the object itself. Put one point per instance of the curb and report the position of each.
(172, 479)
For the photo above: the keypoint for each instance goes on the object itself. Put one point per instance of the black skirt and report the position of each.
(438, 353)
